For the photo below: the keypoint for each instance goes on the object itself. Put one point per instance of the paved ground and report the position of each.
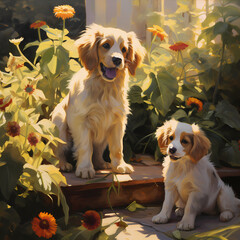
(140, 226)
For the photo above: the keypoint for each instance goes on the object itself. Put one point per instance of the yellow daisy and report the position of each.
(64, 11)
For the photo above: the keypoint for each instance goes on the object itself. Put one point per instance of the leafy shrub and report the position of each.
(190, 83)
(28, 93)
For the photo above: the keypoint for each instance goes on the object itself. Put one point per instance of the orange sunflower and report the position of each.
(156, 30)
(91, 220)
(64, 11)
(38, 24)
(194, 102)
(178, 46)
(44, 225)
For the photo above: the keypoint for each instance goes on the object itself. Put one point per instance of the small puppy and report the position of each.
(94, 113)
(191, 181)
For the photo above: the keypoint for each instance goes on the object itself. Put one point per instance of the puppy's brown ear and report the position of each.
(87, 46)
(136, 53)
(201, 145)
(162, 139)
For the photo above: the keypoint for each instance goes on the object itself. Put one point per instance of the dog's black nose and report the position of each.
(117, 61)
(172, 150)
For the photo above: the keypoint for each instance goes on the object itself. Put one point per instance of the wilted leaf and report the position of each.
(177, 234)
(132, 207)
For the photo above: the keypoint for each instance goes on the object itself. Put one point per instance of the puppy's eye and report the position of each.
(106, 45)
(124, 50)
(184, 141)
(171, 138)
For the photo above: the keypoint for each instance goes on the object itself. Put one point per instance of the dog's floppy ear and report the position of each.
(163, 133)
(201, 144)
(162, 139)
(136, 53)
(87, 46)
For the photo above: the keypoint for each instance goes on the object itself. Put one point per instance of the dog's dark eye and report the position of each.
(124, 50)
(171, 138)
(184, 141)
(106, 45)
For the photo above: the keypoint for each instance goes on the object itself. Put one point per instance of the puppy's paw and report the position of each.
(85, 172)
(123, 168)
(65, 166)
(226, 216)
(185, 225)
(102, 165)
(160, 218)
(179, 212)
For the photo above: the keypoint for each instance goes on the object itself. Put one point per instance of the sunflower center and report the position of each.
(65, 9)
(44, 224)
(29, 89)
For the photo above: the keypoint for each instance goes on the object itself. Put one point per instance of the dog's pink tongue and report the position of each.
(111, 73)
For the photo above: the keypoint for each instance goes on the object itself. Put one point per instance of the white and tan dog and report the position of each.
(94, 113)
(191, 181)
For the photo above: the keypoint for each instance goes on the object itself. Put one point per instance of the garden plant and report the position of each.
(188, 75)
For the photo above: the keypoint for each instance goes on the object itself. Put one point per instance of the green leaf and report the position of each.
(230, 154)
(179, 114)
(63, 59)
(52, 65)
(11, 171)
(165, 93)
(228, 114)
(211, 17)
(231, 11)
(31, 44)
(177, 234)
(54, 33)
(220, 28)
(134, 94)
(44, 46)
(9, 219)
(132, 207)
(22, 116)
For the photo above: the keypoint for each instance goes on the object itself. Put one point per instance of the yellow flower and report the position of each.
(16, 41)
(64, 11)
(44, 225)
(156, 30)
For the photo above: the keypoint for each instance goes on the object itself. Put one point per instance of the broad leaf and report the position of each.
(134, 94)
(11, 171)
(228, 114)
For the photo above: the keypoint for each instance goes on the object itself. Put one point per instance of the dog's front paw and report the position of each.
(123, 168)
(65, 166)
(185, 225)
(160, 218)
(85, 172)
(226, 216)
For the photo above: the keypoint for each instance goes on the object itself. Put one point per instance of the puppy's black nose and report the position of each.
(117, 61)
(172, 150)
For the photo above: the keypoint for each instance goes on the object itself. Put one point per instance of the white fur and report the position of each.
(194, 187)
(94, 113)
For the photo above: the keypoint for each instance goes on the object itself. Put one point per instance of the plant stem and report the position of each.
(22, 55)
(39, 35)
(63, 31)
(215, 93)
(183, 68)
(149, 52)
